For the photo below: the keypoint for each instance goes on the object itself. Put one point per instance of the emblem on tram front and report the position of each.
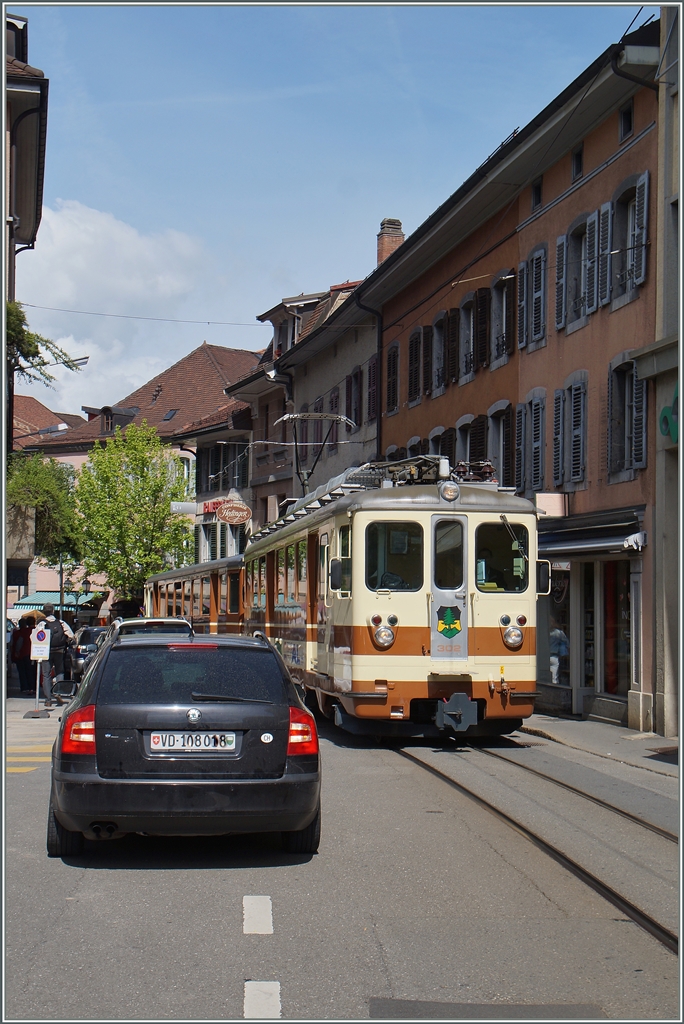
(449, 620)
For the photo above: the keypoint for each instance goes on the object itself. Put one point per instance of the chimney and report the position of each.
(390, 238)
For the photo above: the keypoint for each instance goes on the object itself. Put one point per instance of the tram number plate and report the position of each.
(192, 742)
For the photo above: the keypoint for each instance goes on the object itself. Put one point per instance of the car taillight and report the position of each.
(79, 731)
(303, 738)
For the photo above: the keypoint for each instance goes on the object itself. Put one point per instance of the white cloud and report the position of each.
(86, 259)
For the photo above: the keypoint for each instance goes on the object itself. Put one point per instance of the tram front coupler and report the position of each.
(458, 713)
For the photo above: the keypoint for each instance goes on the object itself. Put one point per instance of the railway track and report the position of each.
(626, 906)
(587, 796)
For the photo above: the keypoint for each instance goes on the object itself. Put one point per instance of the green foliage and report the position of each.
(47, 486)
(124, 497)
(29, 354)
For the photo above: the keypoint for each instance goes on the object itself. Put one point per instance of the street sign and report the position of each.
(40, 643)
(234, 512)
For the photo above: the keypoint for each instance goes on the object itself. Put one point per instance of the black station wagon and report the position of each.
(185, 736)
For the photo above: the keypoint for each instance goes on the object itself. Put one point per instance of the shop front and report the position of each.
(590, 627)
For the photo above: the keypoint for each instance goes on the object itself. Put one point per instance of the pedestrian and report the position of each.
(21, 654)
(52, 671)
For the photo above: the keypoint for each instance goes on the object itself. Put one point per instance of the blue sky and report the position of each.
(205, 161)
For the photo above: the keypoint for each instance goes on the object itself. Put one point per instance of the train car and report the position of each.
(403, 596)
(209, 595)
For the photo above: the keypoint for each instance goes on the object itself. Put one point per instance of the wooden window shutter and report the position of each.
(197, 544)
(213, 550)
(452, 329)
(537, 273)
(522, 305)
(605, 265)
(223, 545)
(427, 360)
(592, 262)
(558, 413)
(561, 281)
(609, 424)
(520, 447)
(373, 388)
(509, 321)
(447, 445)
(638, 422)
(425, 446)
(414, 368)
(483, 297)
(392, 378)
(641, 229)
(478, 439)
(577, 430)
(537, 430)
(348, 401)
(508, 468)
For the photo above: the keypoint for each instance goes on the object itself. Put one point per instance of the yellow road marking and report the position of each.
(34, 769)
(43, 748)
(31, 757)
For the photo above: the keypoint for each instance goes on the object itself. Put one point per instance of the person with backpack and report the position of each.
(52, 671)
(21, 654)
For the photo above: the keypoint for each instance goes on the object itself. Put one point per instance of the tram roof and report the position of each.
(186, 572)
(370, 487)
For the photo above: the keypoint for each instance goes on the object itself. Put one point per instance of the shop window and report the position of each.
(570, 433)
(588, 648)
(559, 624)
(616, 628)
(626, 422)
(392, 379)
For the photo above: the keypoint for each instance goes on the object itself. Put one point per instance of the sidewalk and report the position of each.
(641, 749)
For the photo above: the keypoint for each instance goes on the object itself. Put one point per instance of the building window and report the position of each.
(373, 388)
(503, 318)
(529, 445)
(353, 392)
(627, 121)
(500, 445)
(392, 378)
(626, 245)
(532, 300)
(577, 163)
(334, 404)
(438, 353)
(478, 439)
(414, 368)
(569, 433)
(107, 421)
(447, 445)
(318, 429)
(536, 194)
(467, 335)
(626, 422)
(428, 338)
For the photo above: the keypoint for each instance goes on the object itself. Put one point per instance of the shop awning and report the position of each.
(618, 531)
(35, 602)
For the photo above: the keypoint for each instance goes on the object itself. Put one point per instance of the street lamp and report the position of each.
(85, 586)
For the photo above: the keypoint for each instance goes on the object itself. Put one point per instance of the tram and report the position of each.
(403, 597)
(208, 595)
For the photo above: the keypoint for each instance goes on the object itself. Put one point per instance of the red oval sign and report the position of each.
(234, 512)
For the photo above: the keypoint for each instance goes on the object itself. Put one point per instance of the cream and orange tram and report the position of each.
(404, 596)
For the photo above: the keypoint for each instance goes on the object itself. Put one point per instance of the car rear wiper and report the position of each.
(221, 696)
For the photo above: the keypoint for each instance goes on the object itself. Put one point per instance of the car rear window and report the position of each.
(156, 627)
(89, 636)
(168, 675)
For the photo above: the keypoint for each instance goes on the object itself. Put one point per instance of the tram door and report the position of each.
(449, 605)
(323, 606)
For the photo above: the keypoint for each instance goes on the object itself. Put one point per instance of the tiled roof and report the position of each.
(30, 416)
(193, 387)
(224, 415)
(18, 69)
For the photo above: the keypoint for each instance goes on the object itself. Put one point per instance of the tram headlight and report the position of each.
(449, 490)
(384, 636)
(513, 637)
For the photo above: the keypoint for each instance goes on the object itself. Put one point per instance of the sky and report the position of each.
(205, 161)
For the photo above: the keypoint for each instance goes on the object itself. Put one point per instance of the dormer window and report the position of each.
(170, 414)
(107, 421)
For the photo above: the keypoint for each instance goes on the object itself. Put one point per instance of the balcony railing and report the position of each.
(500, 346)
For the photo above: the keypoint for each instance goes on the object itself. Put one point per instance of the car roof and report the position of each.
(207, 640)
(150, 621)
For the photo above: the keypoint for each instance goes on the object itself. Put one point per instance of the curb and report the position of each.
(536, 731)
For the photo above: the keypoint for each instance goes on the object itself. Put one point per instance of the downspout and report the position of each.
(378, 419)
(630, 78)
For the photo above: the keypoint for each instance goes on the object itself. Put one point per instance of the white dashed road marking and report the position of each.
(262, 1000)
(257, 915)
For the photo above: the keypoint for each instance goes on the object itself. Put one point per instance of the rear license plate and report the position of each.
(192, 742)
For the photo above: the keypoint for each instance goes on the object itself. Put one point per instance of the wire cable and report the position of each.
(156, 319)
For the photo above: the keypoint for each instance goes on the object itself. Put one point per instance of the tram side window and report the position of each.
(249, 584)
(301, 575)
(262, 582)
(448, 555)
(281, 582)
(501, 563)
(394, 556)
(290, 589)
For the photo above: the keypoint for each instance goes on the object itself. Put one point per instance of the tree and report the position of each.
(124, 496)
(28, 355)
(48, 486)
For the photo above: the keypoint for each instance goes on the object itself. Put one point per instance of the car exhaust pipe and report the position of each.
(102, 830)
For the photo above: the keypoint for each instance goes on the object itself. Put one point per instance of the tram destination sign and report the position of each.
(234, 512)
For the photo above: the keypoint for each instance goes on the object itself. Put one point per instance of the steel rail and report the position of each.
(634, 913)
(587, 796)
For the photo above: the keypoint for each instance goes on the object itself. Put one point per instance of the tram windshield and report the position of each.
(501, 561)
(394, 556)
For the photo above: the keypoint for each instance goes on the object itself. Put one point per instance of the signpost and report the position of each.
(234, 512)
(40, 652)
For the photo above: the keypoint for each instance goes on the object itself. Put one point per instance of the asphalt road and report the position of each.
(419, 905)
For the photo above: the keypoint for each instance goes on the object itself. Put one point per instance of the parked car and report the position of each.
(185, 736)
(77, 656)
(130, 627)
